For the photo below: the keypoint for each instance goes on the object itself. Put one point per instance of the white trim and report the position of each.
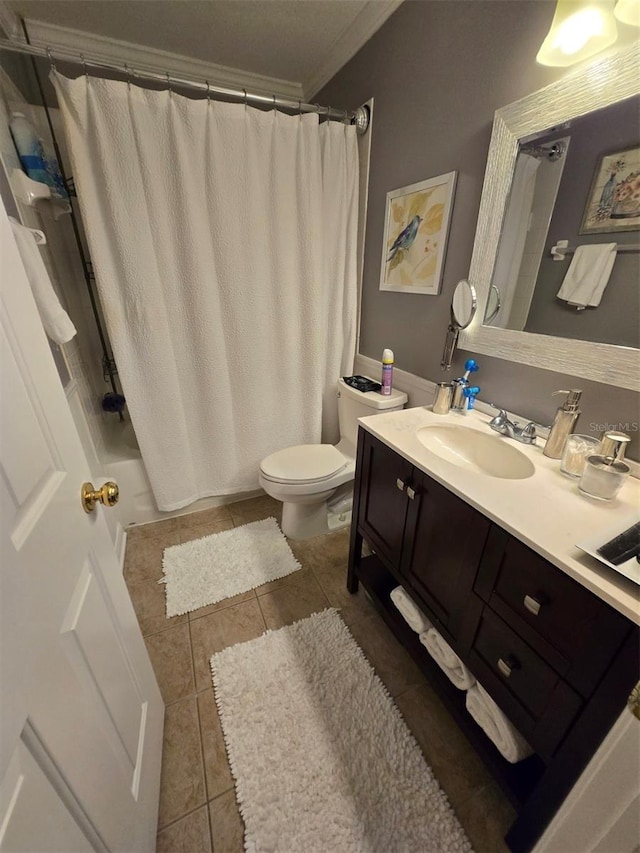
(145, 58)
(607, 789)
(120, 545)
(600, 84)
(364, 25)
(10, 22)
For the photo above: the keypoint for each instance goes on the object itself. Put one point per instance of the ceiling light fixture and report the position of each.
(579, 29)
(628, 12)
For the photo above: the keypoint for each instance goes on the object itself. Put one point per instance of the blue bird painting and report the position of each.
(405, 238)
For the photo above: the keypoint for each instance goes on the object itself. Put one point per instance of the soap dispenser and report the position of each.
(563, 423)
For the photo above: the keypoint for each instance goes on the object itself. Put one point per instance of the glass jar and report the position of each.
(574, 453)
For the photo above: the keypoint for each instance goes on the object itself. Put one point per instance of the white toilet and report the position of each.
(315, 481)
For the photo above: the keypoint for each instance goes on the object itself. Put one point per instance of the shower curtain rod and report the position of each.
(360, 116)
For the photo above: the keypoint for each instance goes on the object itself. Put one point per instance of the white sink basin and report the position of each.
(476, 451)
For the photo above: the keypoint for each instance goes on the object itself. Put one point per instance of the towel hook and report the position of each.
(51, 60)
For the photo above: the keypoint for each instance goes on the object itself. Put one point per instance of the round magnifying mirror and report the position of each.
(463, 304)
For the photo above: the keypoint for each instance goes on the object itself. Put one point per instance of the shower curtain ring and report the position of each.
(274, 102)
(208, 91)
(245, 98)
(300, 109)
(127, 74)
(84, 65)
(51, 60)
(169, 83)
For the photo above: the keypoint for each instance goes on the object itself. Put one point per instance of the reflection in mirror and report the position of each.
(463, 308)
(567, 185)
(547, 116)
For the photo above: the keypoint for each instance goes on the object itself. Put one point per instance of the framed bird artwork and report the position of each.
(416, 226)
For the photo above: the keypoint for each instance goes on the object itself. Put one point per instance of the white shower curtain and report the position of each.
(224, 244)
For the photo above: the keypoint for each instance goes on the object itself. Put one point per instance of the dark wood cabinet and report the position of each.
(557, 660)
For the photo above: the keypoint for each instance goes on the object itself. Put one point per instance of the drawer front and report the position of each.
(524, 674)
(537, 701)
(566, 624)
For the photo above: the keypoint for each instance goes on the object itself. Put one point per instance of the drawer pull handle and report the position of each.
(532, 604)
(411, 493)
(400, 484)
(507, 668)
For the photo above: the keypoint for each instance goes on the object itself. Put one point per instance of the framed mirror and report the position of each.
(543, 124)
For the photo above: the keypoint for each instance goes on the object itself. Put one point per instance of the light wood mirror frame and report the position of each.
(605, 82)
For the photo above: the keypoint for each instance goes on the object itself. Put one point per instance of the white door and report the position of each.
(80, 711)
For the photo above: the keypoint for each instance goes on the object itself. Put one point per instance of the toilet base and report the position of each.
(304, 521)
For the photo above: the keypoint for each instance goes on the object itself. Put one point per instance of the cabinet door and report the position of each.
(383, 500)
(444, 541)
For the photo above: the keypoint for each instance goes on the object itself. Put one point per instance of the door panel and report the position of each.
(74, 669)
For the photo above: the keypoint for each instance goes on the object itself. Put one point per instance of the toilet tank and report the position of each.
(353, 404)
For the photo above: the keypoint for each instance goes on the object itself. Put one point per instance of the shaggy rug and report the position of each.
(204, 571)
(322, 759)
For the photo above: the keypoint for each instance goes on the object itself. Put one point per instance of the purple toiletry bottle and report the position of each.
(387, 372)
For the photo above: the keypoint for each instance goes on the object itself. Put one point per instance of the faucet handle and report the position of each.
(529, 431)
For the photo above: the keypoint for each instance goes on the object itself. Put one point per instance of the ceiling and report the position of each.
(303, 42)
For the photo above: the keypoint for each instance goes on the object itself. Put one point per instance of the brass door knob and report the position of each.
(108, 494)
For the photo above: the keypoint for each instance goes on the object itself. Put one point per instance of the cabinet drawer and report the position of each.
(568, 626)
(529, 691)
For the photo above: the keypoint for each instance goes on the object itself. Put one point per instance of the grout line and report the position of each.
(204, 805)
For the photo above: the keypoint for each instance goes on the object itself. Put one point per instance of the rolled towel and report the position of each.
(496, 726)
(447, 659)
(412, 614)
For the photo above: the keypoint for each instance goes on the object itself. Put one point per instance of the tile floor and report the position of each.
(198, 812)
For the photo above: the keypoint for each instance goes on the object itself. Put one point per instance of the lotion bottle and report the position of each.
(563, 423)
(387, 372)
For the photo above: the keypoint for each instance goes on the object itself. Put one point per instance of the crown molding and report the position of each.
(109, 50)
(365, 24)
(10, 23)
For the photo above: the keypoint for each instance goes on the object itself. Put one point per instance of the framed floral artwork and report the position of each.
(416, 226)
(613, 203)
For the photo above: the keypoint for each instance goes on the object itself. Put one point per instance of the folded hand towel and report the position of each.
(588, 274)
(414, 617)
(496, 726)
(447, 659)
(55, 319)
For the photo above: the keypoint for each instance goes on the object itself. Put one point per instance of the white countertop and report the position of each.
(545, 511)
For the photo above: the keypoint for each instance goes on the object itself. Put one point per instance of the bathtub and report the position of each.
(123, 463)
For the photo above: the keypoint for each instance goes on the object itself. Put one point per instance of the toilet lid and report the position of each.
(303, 463)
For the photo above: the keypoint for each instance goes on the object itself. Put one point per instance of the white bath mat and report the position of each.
(205, 571)
(321, 756)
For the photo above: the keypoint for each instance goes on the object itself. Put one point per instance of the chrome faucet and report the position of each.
(501, 423)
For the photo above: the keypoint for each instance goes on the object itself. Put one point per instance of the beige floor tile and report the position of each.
(190, 834)
(227, 828)
(182, 786)
(453, 760)
(388, 657)
(287, 580)
(199, 531)
(143, 557)
(149, 601)
(295, 601)
(215, 632)
(137, 532)
(254, 509)
(170, 653)
(214, 515)
(216, 764)
(486, 817)
(221, 605)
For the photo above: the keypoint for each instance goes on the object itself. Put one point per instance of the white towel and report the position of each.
(588, 275)
(447, 659)
(55, 319)
(412, 614)
(495, 725)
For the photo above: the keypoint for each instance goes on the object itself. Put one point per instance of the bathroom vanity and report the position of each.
(492, 561)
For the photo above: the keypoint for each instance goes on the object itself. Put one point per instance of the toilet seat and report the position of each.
(303, 464)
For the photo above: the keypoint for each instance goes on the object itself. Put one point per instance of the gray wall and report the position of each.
(617, 318)
(438, 70)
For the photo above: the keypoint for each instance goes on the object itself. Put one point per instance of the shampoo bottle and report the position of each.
(387, 372)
